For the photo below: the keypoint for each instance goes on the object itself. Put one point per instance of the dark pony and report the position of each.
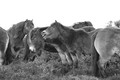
(82, 24)
(88, 28)
(5, 51)
(17, 33)
(105, 45)
(74, 41)
(94, 54)
(35, 44)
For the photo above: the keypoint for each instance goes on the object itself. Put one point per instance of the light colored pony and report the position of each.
(106, 43)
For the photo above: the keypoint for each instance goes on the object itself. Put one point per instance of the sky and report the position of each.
(67, 12)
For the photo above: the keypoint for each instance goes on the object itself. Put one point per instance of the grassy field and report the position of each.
(48, 67)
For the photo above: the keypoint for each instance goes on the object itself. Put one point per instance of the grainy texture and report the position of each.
(48, 67)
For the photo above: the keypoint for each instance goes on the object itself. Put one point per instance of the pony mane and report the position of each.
(3, 29)
(36, 32)
(43, 28)
(17, 27)
(17, 32)
(59, 25)
(82, 24)
(65, 33)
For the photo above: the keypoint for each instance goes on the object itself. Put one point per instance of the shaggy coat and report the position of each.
(74, 41)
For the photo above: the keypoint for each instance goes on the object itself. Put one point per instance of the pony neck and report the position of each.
(43, 28)
(66, 34)
(21, 36)
(18, 29)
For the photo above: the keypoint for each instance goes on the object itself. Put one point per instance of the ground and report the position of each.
(48, 67)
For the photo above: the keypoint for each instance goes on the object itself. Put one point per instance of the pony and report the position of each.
(82, 24)
(105, 45)
(87, 26)
(35, 44)
(5, 51)
(69, 42)
(16, 34)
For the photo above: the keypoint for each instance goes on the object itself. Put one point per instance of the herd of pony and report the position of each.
(70, 42)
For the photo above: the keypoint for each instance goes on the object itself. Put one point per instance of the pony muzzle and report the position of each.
(44, 34)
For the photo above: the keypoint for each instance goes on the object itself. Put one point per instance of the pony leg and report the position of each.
(68, 57)
(95, 65)
(102, 62)
(74, 58)
(100, 71)
(13, 51)
(27, 53)
(63, 58)
(61, 54)
(95, 60)
(95, 55)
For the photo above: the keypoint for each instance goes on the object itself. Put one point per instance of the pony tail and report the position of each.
(95, 55)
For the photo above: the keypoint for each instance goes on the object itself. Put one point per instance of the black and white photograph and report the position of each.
(59, 40)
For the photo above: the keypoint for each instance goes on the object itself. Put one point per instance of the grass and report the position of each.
(48, 67)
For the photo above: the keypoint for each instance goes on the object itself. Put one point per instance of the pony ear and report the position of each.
(26, 20)
(32, 20)
(56, 21)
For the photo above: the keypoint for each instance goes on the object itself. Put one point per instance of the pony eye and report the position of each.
(52, 29)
